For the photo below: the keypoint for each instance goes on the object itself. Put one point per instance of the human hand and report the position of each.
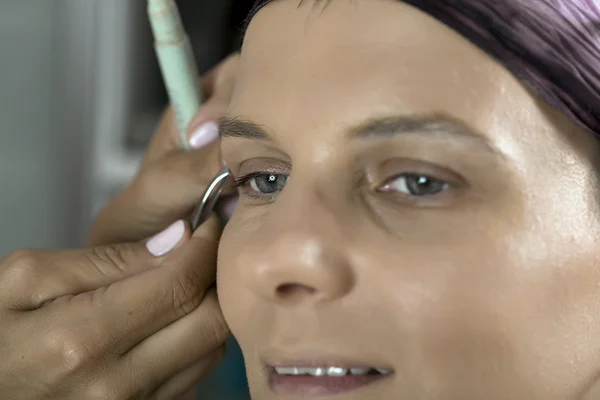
(171, 180)
(127, 321)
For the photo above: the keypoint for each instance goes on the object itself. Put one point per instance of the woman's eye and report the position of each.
(269, 184)
(415, 185)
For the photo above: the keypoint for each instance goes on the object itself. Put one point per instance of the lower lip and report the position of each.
(316, 386)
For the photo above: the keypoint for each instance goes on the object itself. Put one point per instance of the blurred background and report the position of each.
(80, 96)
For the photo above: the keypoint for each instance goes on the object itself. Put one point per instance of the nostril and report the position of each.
(294, 289)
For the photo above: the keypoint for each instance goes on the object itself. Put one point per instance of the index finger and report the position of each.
(217, 88)
(131, 310)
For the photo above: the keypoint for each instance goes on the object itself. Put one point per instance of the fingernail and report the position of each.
(205, 134)
(166, 241)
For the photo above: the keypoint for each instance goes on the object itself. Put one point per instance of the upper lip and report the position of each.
(315, 359)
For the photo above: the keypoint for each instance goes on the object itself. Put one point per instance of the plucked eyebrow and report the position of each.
(437, 125)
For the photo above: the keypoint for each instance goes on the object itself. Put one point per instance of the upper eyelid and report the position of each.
(265, 165)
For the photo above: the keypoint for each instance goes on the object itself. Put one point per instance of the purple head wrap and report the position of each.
(553, 46)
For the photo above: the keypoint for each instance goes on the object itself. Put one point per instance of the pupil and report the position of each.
(424, 186)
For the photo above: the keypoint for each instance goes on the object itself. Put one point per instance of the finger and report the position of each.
(222, 81)
(189, 378)
(202, 131)
(114, 222)
(28, 279)
(183, 342)
(226, 68)
(217, 87)
(163, 192)
(129, 311)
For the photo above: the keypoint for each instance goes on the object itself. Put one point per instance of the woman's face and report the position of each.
(405, 205)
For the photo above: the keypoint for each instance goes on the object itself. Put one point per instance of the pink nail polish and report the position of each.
(204, 135)
(165, 242)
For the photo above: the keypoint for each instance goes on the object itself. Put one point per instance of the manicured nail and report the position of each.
(204, 135)
(166, 241)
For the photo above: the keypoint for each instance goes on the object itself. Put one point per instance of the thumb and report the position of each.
(29, 279)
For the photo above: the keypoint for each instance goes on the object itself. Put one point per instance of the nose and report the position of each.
(298, 257)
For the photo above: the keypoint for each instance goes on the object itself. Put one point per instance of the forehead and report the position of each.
(310, 69)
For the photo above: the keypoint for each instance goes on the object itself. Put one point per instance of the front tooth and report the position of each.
(383, 371)
(318, 371)
(359, 371)
(286, 370)
(336, 371)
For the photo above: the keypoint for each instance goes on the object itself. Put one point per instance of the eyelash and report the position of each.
(245, 179)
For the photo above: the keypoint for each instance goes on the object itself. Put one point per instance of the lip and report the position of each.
(306, 386)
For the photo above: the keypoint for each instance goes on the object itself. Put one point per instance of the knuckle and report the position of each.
(71, 350)
(187, 295)
(22, 255)
(104, 257)
(21, 268)
(100, 390)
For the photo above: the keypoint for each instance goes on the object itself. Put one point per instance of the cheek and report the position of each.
(234, 297)
(531, 308)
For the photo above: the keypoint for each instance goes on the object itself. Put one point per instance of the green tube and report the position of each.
(177, 63)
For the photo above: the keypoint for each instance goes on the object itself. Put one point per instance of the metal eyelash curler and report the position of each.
(212, 194)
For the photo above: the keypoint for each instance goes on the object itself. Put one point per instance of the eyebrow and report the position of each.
(437, 125)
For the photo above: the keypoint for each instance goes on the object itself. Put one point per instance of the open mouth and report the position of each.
(322, 381)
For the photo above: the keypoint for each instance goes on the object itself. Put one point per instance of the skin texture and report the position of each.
(486, 290)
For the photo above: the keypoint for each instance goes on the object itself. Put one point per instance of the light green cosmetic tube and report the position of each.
(177, 63)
